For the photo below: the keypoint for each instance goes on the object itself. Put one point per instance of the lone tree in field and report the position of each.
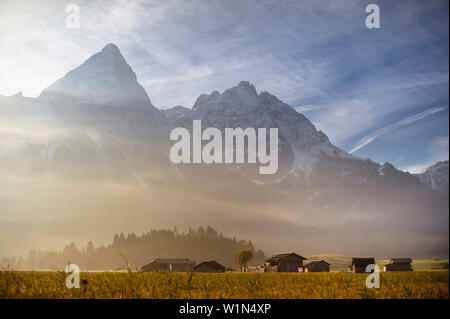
(243, 256)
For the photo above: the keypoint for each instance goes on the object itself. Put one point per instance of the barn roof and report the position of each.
(401, 260)
(362, 261)
(279, 257)
(212, 263)
(312, 263)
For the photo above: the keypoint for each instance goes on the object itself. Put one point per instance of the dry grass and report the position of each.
(432, 284)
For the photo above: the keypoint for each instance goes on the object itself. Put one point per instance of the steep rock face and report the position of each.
(307, 159)
(105, 78)
(436, 176)
(300, 144)
(99, 122)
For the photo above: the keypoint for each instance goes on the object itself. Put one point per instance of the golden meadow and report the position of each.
(417, 284)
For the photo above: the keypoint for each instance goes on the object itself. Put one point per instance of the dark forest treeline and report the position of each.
(198, 245)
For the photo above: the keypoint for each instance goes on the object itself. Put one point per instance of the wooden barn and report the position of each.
(399, 264)
(359, 264)
(209, 266)
(318, 266)
(290, 262)
(170, 265)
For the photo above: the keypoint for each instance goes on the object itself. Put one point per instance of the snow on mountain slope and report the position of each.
(436, 176)
(101, 122)
(301, 145)
(307, 159)
(105, 78)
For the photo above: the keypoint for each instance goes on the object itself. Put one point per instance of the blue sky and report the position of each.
(382, 93)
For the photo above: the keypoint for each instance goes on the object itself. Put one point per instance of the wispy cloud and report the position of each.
(309, 108)
(312, 54)
(374, 135)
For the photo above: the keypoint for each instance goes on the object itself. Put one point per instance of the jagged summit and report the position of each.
(386, 169)
(104, 78)
(243, 94)
(241, 106)
(111, 47)
(248, 87)
(436, 176)
(205, 98)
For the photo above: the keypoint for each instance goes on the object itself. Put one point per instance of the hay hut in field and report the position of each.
(317, 266)
(290, 262)
(209, 266)
(399, 264)
(359, 264)
(170, 265)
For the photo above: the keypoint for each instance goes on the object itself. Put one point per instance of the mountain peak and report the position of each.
(109, 61)
(250, 88)
(436, 176)
(205, 98)
(104, 78)
(113, 51)
(244, 90)
(111, 47)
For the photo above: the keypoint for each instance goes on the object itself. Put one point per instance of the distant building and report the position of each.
(399, 264)
(258, 269)
(209, 266)
(317, 266)
(170, 265)
(359, 264)
(290, 262)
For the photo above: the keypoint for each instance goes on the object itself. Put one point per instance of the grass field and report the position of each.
(421, 284)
